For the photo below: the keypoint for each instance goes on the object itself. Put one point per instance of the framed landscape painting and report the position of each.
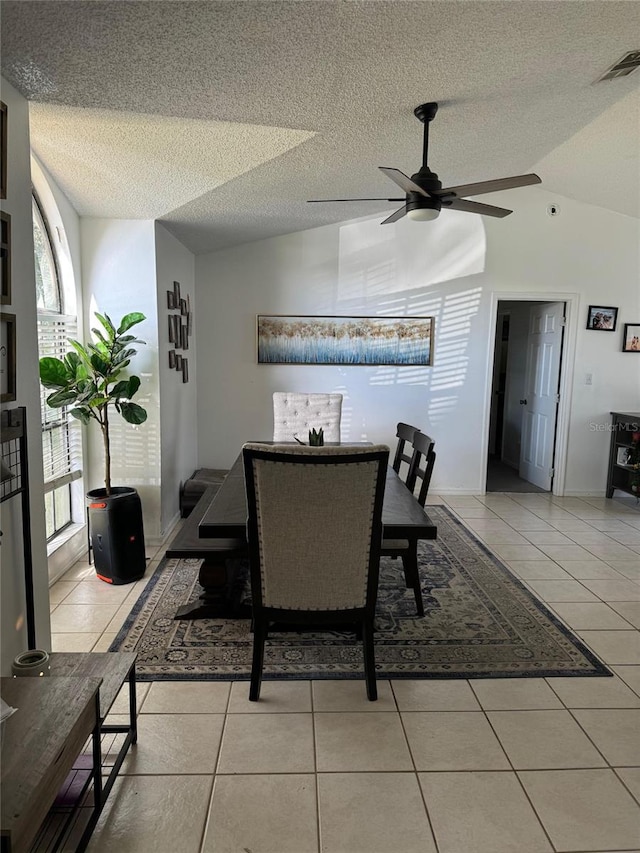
(399, 341)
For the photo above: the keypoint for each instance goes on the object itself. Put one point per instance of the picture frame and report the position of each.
(601, 318)
(5, 258)
(172, 359)
(7, 357)
(183, 307)
(185, 369)
(172, 336)
(176, 294)
(351, 340)
(178, 361)
(171, 300)
(184, 337)
(631, 337)
(3, 149)
(190, 323)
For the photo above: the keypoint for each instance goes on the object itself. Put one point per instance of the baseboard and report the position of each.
(67, 553)
(157, 541)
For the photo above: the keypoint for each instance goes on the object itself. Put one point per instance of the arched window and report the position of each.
(61, 438)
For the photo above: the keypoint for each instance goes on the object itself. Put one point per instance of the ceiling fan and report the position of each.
(425, 195)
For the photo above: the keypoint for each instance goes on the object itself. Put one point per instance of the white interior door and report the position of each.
(540, 400)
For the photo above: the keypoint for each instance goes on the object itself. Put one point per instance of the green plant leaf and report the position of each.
(108, 325)
(120, 389)
(82, 352)
(81, 414)
(100, 336)
(100, 365)
(53, 373)
(134, 385)
(130, 320)
(61, 398)
(132, 413)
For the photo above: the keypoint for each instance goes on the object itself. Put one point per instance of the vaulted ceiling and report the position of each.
(223, 118)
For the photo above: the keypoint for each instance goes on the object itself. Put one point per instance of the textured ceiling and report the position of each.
(222, 118)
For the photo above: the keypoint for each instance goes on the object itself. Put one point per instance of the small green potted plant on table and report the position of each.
(92, 379)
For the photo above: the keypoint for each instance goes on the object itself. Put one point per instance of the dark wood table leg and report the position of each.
(220, 597)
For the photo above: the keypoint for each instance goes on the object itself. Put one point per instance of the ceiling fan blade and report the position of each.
(400, 212)
(403, 180)
(488, 186)
(475, 207)
(318, 200)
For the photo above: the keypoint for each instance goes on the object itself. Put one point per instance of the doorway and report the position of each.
(528, 352)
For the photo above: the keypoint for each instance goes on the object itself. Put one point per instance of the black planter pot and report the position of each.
(117, 534)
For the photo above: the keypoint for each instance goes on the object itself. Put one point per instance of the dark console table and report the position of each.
(41, 743)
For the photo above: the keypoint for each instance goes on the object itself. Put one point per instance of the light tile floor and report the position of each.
(476, 766)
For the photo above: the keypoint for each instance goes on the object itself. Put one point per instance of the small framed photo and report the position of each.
(3, 150)
(185, 370)
(631, 338)
(602, 319)
(172, 334)
(183, 307)
(172, 359)
(178, 361)
(5, 258)
(190, 323)
(171, 300)
(184, 337)
(176, 294)
(7, 358)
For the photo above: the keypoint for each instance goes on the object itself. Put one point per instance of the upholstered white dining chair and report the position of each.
(295, 413)
(314, 529)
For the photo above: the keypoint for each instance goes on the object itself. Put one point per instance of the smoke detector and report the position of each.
(623, 67)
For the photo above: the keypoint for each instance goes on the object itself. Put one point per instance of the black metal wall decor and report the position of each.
(14, 481)
(180, 329)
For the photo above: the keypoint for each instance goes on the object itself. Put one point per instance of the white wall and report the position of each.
(119, 276)
(178, 428)
(23, 305)
(448, 269)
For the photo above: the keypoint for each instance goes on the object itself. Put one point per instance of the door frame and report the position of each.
(567, 364)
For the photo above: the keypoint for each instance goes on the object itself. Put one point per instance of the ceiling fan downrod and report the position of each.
(425, 178)
(426, 114)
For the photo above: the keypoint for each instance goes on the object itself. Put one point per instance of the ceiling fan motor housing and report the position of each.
(429, 182)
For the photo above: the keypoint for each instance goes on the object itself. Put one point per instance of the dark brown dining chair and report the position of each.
(422, 463)
(314, 530)
(404, 434)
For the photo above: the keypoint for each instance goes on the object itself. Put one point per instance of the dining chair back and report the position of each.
(424, 459)
(405, 434)
(314, 530)
(421, 468)
(295, 413)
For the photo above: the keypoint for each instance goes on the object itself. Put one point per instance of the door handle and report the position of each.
(523, 402)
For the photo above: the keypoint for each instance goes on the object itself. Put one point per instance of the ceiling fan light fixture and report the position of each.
(423, 214)
(423, 209)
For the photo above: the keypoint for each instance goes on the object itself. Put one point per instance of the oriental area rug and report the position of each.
(480, 622)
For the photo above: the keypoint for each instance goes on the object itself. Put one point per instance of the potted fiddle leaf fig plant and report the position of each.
(92, 380)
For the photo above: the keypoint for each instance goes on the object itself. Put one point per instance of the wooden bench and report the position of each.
(216, 570)
(192, 489)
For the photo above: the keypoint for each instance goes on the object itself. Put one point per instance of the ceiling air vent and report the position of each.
(625, 66)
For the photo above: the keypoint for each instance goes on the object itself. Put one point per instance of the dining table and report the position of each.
(225, 519)
(226, 516)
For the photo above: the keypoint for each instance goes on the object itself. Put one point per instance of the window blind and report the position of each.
(61, 433)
